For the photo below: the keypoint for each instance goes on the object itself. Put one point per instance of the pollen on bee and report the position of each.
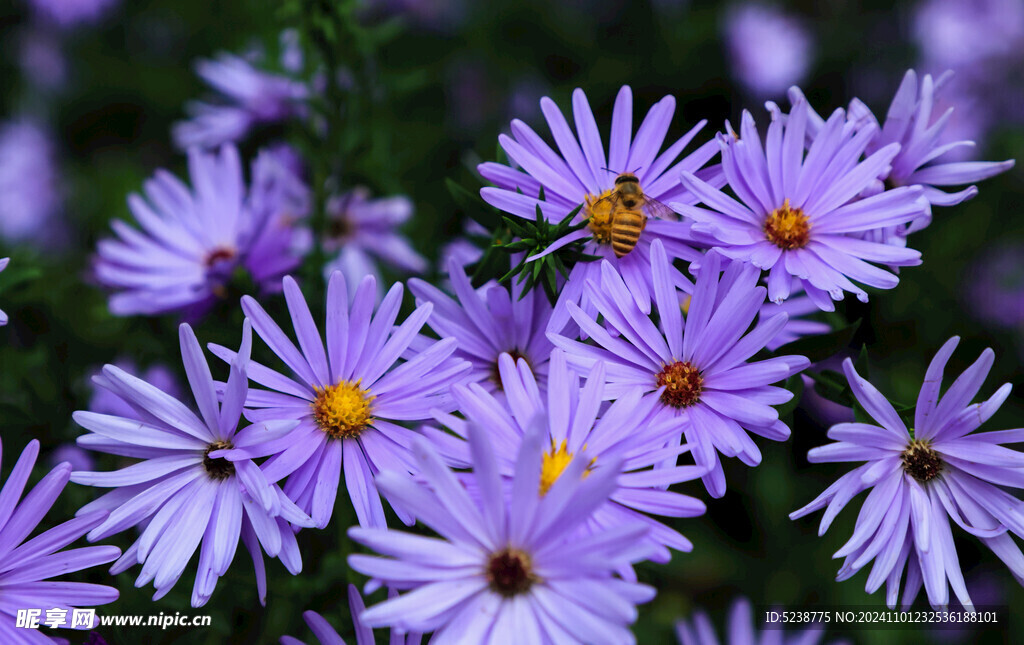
(343, 410)
(599, 210)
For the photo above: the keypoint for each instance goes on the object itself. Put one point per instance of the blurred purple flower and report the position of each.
(250, 97)
(920, 479)
(72, 454)
(30, 183)
(346, 399)
(697, 368)
(504, 565)
(580, 173)
(25, 568)
(362, 232)
(794, 216)
(699, 631)
(769, 50)
(70, 13)
(326, 635)
(3, 265)
(196, 486)
(489, 322)
(193, 242)
(964, 34)
(42, 61)
(574, 418)
(994, 286)
(911, 123)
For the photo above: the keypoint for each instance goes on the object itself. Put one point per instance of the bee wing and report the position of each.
(610, 200)
(654, 208)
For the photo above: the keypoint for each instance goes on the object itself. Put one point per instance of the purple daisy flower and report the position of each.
(347, 398)
(250, 97)
(191, 242)
(69, 13)
(797, 216)
(30, 183)
(922, 477)
(573, 418)
(488, 323)
(910, 122)
(364, 635)
(504, 564)
(697, 370)
(769, 50)
(741, 630)
(194, 488)
(362, 232)
(993, 287)
(581, 173)
(27, 566)
(3, 265)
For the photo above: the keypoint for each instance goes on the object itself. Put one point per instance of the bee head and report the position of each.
(626, 177)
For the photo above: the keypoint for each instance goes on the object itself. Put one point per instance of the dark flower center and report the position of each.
(219, 468)
(510, 573)
(339, 227)
(218, 255)
(683, 383)
(788, 228)
(496, 371)
(921, 461)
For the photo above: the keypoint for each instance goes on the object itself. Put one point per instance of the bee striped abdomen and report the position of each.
(626, 228)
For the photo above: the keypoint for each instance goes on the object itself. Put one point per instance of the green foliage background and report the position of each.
(442, 94)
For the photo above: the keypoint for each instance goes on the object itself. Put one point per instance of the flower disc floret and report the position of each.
(343, 410)
(510, 572)
(921, 461)
(682, 382)
(787, 227)
(218, 469)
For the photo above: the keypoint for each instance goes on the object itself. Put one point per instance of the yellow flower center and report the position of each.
(598, 211)
(683, 384)
(343, 410)
(788, 228)
(554, 463)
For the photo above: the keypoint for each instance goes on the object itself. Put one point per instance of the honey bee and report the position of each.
(628, 209)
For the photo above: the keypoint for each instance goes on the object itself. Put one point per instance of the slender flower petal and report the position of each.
(695, 372)
(574, 418)
(920, 479)
(27, 566)
(795, 214)
(185, 494)
(581, 173)
(520, 568)
(193, 242)
(488, 323)
(349, 394)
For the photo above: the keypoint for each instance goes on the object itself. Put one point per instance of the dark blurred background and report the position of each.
(93, 103)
